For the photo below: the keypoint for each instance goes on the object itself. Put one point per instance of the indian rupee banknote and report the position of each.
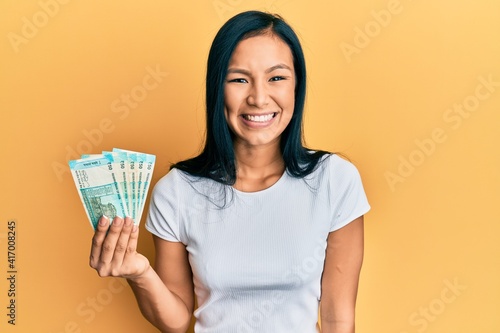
(114, 183)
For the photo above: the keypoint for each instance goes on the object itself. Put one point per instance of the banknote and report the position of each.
(123, 177)
(149, 165)
(134, 182)
(95, 178)
(142, 166)
(114, 183)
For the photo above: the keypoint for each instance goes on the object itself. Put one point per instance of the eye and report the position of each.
(277, 78)
(238, 80)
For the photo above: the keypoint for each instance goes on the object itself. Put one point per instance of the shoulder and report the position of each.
(182, 185)
(335, 174)
(340, 167)
(346, 190)
(334, 166)
(175, 181)
(172, 178)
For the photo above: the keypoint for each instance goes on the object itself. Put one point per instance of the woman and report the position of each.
(262, 230)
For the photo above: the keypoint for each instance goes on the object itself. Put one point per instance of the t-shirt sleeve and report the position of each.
(162, 219)
(348, 196)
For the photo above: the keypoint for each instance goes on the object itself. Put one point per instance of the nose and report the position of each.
(258, 95)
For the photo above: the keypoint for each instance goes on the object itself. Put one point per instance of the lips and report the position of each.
(259, 118)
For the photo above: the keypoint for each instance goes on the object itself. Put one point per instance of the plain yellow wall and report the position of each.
(408, 90)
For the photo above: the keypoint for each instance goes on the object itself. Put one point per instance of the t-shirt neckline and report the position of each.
(266, 190)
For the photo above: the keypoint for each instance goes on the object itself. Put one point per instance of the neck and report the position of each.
(257, 167)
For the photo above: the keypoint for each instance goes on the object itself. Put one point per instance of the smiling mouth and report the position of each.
(259, 118)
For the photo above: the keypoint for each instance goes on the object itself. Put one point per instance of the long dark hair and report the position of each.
(217, 160)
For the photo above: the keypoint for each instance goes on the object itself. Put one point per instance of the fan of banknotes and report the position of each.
(114, 183)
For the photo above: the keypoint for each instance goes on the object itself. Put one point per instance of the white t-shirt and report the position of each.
(257, 262)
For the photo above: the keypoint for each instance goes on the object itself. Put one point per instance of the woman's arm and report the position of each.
(339, 285)
(165, 296)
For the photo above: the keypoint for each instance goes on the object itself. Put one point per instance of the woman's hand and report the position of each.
(113, 251)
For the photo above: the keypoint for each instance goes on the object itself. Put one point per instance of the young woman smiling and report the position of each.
(260, 229)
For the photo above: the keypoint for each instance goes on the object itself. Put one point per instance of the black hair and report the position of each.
(217, 160)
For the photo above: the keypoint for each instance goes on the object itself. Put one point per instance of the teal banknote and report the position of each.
(142, 166)
(114, 183)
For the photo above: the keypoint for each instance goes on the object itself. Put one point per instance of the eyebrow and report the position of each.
(269, 70)
(278, 66)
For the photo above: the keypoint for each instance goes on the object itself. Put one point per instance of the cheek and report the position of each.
(287, 100)
(230, 102)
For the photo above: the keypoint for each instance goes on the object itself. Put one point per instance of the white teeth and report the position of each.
(259, 119)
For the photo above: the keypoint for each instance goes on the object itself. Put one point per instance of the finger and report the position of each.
(134, 266)
(132, 241)
(97, 240)
(122, 243)
(109, 244)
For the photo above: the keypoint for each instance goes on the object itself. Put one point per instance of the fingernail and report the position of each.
(104, 220)
(134, 228)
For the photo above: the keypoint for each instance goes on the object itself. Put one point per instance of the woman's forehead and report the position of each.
(262, 50)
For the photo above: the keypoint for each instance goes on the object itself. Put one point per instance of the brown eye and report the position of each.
(239, 80)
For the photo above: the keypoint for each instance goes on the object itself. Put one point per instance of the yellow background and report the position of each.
(379, 96)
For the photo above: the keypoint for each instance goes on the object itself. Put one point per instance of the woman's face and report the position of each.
(259, 92)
